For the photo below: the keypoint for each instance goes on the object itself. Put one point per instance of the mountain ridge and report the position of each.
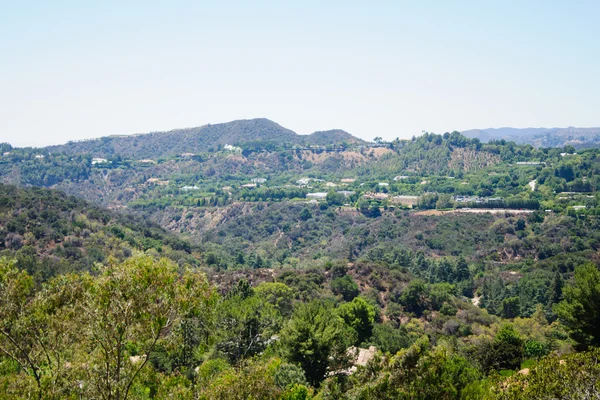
(200, 139)
(540, 137)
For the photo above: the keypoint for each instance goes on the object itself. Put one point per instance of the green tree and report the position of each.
(127, 308)
(305, 214)
(245, 326)
(417, 372)
(508, 348)
(360, 316)
(335, 199)
(580, 309)
(316, 339)
(278, 294)
(37, 329)
(414, 297)
(462, 270)
(389, 339)
(510, 307)
(346, 287)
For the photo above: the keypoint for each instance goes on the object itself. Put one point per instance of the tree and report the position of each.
(510, 307)
(444, 201)
(414, 297)
(334, 198)
(346, 287)
(37, 330)
(126, 311)
(278, 294)
(389, 339)
(360, 316)
(417, 372)
(508, 348)
(462, 270)
(316, 339)
(575, 376)
(305, 214)
(580, 309)
(245, 326)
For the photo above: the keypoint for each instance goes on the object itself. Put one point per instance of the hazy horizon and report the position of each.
(389, 69)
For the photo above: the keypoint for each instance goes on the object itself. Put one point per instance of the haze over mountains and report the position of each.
(211, 136)
(540, 137)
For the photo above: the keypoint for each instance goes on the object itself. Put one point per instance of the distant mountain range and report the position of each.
(540, 137)
(200, 139)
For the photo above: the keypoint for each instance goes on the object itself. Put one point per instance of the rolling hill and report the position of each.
(540, 137)
(199, 139)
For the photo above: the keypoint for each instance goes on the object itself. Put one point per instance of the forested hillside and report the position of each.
(327, 268)
(49, 233)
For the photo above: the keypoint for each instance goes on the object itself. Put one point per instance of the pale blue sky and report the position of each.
(71, 71)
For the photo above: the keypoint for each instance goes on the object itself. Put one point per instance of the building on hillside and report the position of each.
(376, 196)
(258, 180)
(317, 196)
(401, 177)
(186, 188)
(384, 184)
(303, 181)
(348, 180)
(97, 160)
(531, 163)
(346, 193)
(409, 201)
(249, 185)
(229, 147)
(187, 155)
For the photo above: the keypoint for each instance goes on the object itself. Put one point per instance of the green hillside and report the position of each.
(50, 233)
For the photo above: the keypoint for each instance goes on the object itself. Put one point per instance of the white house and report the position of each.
(96, 160)
(316, 196)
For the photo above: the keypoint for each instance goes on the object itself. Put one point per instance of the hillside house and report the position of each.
(97, 160)
(409, 201)
(317, 196)
(229, 147)
(258, 180)
(376, 196)
(531, 163)
(186, 188)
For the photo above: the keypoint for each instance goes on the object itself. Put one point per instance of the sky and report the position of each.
(73, 70)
